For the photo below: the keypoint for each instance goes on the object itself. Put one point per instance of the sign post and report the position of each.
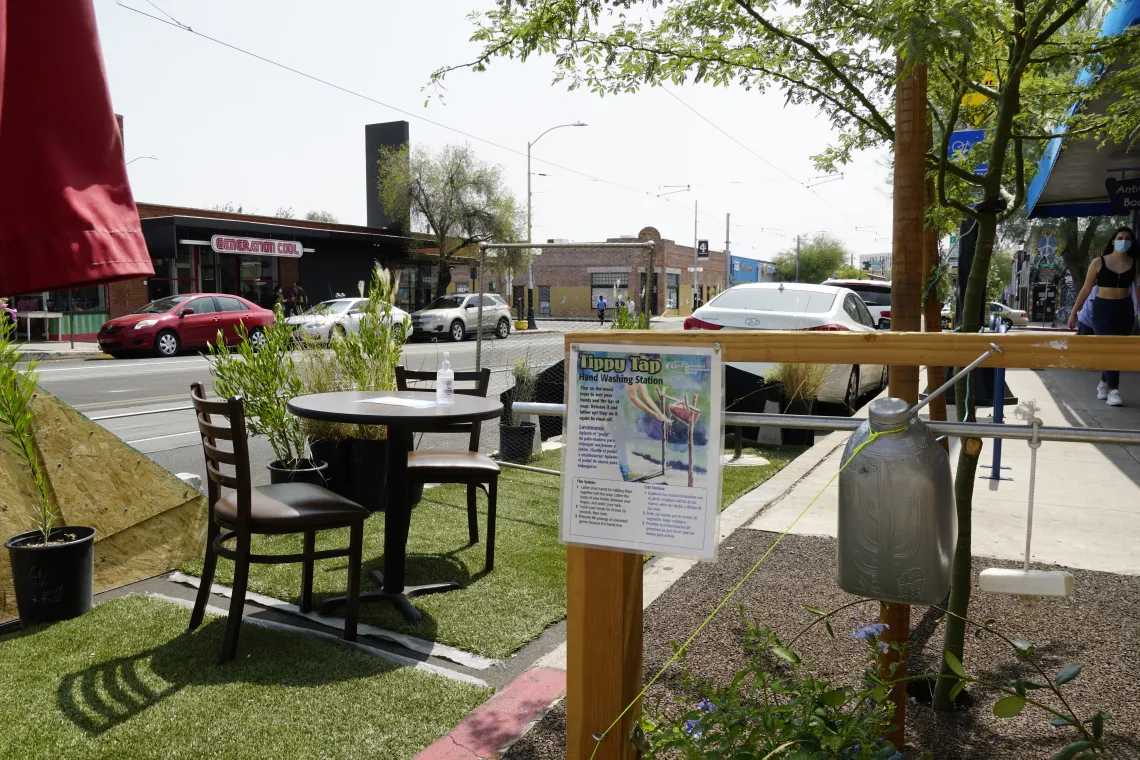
(641, 474)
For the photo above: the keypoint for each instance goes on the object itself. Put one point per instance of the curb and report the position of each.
(500, 721)
(54, 356)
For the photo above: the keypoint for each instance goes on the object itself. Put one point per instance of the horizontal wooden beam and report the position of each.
(1021, 350)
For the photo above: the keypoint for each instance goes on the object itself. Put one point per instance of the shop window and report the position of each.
(612, 285)
(672, 289)
(544, 299)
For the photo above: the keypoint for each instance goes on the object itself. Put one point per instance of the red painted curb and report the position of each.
(500, 720)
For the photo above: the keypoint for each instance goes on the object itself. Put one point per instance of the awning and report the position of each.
(1071, 174)
(68, 218)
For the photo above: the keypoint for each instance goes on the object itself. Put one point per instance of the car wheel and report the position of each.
(166, 343)
(257, 339)
(851, 397)
(400, 332)
(458, 331)
(1008, 323)
(337, 333)
(503, 329)
(885, 381)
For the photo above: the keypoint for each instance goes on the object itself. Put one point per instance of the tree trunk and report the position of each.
(443, 278)
(967, 471)
(1075, 247)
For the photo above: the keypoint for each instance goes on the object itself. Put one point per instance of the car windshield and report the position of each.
(162, 305)
(775, 299)
(446, 302)
(339, 306)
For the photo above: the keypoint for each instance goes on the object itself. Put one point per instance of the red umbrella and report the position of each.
(67, 218)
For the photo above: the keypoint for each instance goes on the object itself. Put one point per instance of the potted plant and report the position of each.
(366, 361)
(516, 439)
(329, 442)
(53, 565)
(266, 378)
(799, 386)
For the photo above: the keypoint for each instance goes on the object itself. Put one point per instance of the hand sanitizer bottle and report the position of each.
(445, 382)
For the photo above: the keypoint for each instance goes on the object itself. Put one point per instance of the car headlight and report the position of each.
(145, 323)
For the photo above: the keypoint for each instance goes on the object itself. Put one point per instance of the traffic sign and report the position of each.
(702, 249)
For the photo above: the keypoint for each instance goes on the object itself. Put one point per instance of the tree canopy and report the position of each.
(456, 197)
(317, 215)
(821, 256)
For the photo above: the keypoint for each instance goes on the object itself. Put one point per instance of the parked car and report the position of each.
(1008, 315)
(171, 324)
(947, 319)
(456, 316)
(876, 294)
(338, 317)
(797, 306)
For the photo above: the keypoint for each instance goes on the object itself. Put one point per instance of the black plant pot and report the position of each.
(795, 436)
(338, 455)
(367, 473)
(516, 441)
(306, 471)
(53, 581)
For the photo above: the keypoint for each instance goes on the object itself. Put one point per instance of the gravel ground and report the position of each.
(1097, 627)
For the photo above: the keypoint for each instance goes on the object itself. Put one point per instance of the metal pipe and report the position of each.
(544, 246)
(848, 424)
(946, 385)
(528, 468)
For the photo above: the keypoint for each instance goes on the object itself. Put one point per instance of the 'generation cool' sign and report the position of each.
(231, 244)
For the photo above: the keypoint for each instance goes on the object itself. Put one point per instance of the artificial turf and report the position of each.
(127, 681)
(492, 614)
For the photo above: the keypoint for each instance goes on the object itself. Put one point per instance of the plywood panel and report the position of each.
(147, 520)
(1026, 350)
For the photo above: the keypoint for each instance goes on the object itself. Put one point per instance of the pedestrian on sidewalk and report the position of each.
(1115, 277)
(601, 310)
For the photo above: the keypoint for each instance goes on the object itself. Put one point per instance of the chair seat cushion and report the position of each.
(291, 507)
(441, 461)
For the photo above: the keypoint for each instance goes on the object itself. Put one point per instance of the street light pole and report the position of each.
(531, 324)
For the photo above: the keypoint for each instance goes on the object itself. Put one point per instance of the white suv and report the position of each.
(876, 294)
(457, 316)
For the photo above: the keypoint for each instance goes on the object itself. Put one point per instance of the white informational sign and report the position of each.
(644, 438)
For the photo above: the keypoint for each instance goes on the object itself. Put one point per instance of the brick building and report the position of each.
(570, 280)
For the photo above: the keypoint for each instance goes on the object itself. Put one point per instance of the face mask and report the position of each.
(1122, 245)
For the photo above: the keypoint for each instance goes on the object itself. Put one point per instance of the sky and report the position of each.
(226, 127)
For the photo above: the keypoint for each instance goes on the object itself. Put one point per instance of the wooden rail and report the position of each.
(1019, 350)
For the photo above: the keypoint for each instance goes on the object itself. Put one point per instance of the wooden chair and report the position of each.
(469, 467)
(265, 510)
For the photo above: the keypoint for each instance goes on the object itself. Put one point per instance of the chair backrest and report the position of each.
(481, 379)
(225, 468)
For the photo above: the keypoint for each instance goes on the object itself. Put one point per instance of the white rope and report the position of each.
(1027, 410)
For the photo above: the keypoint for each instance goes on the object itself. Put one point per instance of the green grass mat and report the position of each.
(127, 681)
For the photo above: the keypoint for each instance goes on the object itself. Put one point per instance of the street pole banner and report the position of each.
(641, 468)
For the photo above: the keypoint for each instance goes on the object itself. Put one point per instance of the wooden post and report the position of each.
(603, 650)
(911, 142)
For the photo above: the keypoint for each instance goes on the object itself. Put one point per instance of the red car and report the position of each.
(168, 325)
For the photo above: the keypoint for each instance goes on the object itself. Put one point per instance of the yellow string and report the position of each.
(680, 649)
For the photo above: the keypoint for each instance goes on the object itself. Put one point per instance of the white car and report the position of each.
(797, 306)
(1008, 315)
(876, 294)
(340, 316)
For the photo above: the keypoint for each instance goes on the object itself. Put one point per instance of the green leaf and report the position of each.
(1023, 646)
(785, 654)
(1071, 751)
(1098, 726)
(835, 698)
(957, 690)
(1068, 674)
(1060, 722)
(830, 630)
(1008, 707)
(815, 610)
(954, 664)
(1019, 687)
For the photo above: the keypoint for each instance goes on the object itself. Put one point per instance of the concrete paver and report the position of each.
(1087, 498)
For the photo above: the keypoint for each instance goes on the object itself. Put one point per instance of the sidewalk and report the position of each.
(62, 349)
(1087, 498)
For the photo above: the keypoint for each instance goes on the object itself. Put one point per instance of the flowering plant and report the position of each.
(775, 707)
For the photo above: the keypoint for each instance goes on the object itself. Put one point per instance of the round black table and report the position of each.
(402, 422)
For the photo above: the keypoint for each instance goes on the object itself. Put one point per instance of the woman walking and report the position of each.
(1115, 277)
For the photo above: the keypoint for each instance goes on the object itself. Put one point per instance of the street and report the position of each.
(110, 391)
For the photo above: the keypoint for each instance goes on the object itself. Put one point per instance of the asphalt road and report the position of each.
(107, 390)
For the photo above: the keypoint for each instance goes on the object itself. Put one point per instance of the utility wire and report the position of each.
(185, 27)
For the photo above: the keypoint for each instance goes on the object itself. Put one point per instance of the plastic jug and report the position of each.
(897, 523)
(445, 382)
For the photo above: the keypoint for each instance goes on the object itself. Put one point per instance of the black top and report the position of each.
(1106, 278)
(347, 406)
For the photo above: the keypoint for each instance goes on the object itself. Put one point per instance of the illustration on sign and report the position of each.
(642, 461)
